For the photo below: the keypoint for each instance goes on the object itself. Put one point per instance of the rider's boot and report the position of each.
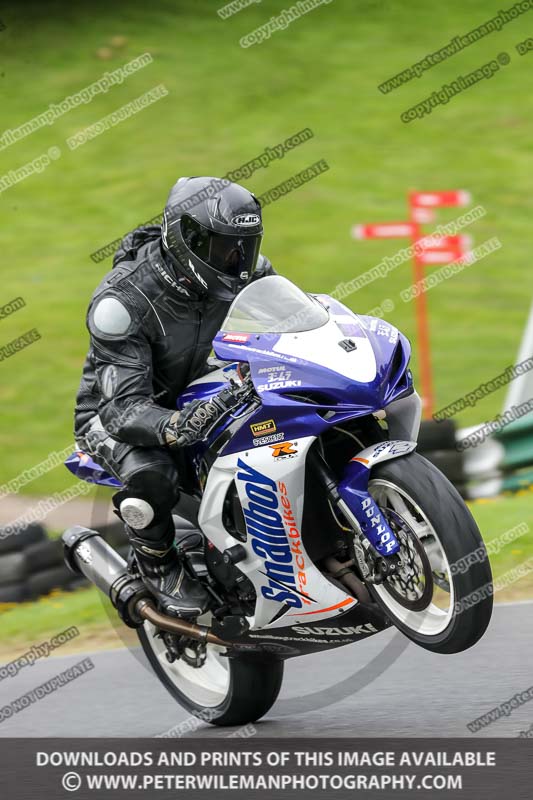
(165, 575)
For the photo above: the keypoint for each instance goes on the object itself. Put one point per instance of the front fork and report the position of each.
(353, 499)
(359, 507)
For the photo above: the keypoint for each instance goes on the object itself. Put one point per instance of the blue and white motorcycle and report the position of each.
(310, 517)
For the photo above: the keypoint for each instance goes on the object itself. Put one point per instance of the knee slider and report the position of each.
(136, 513)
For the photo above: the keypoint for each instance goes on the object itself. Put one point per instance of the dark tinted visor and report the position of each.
(231, 255)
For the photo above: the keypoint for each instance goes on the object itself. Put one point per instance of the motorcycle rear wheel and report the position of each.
(223, 691)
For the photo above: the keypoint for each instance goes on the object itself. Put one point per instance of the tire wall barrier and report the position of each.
(437, 443)
(32, 566)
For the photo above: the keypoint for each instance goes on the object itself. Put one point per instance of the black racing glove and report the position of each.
(199, 417)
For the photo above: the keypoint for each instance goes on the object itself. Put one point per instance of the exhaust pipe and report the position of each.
(344, 574)
(88, 554)
(175, 625)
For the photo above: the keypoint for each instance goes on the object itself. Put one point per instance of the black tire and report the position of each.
(13, 593)
(449, 462)
(78, 582)
(42, 583)
(459, 536)
(44, 555)
(16, 541)
(436, 435)
(13, 568)
(253, 688)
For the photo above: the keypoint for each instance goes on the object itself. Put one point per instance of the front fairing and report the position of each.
(355, 363)
(307, 381)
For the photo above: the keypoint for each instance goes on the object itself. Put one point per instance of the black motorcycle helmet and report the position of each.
(212, 231)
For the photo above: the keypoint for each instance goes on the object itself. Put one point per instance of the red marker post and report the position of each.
(442, 249)
(434, 199)
(384, 230)
(432, 249)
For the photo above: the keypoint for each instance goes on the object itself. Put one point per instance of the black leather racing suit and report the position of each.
(150, 335)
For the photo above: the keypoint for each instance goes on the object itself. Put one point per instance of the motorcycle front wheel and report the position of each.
(441, 594)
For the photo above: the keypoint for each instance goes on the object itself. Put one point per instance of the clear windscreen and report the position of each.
(274, 305)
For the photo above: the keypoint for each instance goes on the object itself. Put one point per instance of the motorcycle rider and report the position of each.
(151, 323)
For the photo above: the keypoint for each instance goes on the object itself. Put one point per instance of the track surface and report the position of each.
(417, 693)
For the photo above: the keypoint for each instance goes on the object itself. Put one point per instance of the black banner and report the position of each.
(269, 768)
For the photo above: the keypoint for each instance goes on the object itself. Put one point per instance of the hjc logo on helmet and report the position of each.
(246, 220)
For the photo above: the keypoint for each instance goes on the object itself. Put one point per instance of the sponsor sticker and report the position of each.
(262, 428)
(265, 387)
(295, 539)
(394, 447)
(274, 536)
(109, 381)
(197, 274)
(376, 520)
(284, 450)
(357, 630)
(382, 329)
(85, 553)
(271, 353)
(264, 370)
(274, 437)
(246, 220)
(241, 338)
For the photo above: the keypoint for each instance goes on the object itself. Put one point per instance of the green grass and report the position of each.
(495, 517)
(225, 105)
(53, 614)
(25, 624)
